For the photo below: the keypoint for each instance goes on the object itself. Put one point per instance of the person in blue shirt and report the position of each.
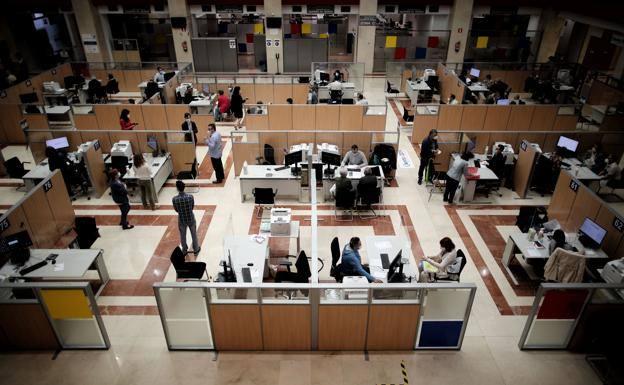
(352, 262)
(215, 151)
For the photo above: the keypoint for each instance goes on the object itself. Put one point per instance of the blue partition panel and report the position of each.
(435, 334)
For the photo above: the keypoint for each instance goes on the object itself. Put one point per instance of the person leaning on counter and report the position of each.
(355, 157)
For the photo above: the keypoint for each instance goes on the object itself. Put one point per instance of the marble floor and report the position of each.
(139, 354)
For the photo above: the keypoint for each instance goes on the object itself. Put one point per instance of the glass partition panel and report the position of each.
(184, 315)
(75, 317)
(342, 296)
(286, 295)
(233, 294)
(396, 296)
(444, 315)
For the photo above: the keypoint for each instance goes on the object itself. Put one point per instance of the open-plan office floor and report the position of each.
(139, 257)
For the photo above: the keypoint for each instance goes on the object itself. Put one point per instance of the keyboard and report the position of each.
(246, 274)
(565, 164)
(385, 261)
(282, 168)
(34, 267)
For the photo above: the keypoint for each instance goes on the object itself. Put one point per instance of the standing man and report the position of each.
(183, 204)
(428, 150)
(215, 151)
(120, 196)
(191, 127)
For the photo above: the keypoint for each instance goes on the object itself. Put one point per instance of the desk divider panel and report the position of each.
(281, 92)
(248, 90)
(523, 172)
(25, 327)
(175, 115)
(264, 93)
(60, 204)
(155, 117)
(11, 116)
(95, 165)
(543, 118)
(86, 122)
(392, 319)
(351, 117)
(40, 217)
(280, 117)
(202, 122)
(300, 93)
(107, 116)
(236, 326)
(182, 156)
(327, 117)
(606, 218)
(520, 118)
(496, 118)
(473, 118)
(286, 327)
(17, 222)
(37, 121)
(136, 115)
(422, 125)
(245, 152)
(586, 205)
(342, 327)
(449, 118)
(256, 121)
(562, 199)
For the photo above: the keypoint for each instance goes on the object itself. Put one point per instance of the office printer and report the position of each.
(81, 150)
(613, 271)
(122, 148)
(53, 87)
(280, 221)
(428, 72)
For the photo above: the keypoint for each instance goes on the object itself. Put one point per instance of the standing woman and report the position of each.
(143, 173)
(124, 120)
(236, 106)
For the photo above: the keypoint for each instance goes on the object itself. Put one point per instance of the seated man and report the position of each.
(352, 262)
(611, 174)
(368, 181)
(343, 184)
(355, 157)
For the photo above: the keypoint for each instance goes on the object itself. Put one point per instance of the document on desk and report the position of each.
(429, 267)
(378, 273)
(383, 245)
(533, 252)
(59, 267)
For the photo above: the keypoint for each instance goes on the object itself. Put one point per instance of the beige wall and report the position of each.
(552, 25)
(461, 17)
(273, 8)
(365, 47)
(88, 20)
(179, 8)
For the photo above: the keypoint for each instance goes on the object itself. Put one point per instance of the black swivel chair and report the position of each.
(87, 231)
(367, 197)
(186, 270)
(120, 163)
(344, 201)
(390, 89)
(335, 96)
(335, 267)
(269, 156)
(191, 187)
(263, 197)
(454, 277)
(302, 275)
(15, 169)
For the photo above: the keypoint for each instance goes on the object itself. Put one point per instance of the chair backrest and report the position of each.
(86, 224)
(14, 167)
(303, 267)
(335, 251)
(335, 93)
(269, 154)
(345, 199)
(460, 254)
(177, 258)
(388, 86)
(369, 195)
(264, 195)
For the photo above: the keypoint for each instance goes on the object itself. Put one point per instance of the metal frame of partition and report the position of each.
(316, 298)
(167, 133)
(182, 67)
(590, 288)
(38, 287)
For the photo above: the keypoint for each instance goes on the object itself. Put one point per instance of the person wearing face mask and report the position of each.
(428, 150)
(355, 157)
(189, 126)
(159, 77)
(351, 263)
(124, 120)
(444, 262)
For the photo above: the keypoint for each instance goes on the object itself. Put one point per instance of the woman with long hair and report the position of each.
(143, 173)
(236, 106)
(124, 120)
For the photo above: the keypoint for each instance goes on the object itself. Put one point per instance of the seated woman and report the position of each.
(559, 240)
(444, 262)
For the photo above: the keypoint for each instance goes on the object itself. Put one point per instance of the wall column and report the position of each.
(96, 46)
(179, 8)
(365, 48)
(273, 8)
(552, 25)
(461, 19)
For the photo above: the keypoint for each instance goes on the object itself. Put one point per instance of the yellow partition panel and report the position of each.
(63, 304)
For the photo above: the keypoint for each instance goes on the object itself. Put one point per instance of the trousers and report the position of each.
(193, 228)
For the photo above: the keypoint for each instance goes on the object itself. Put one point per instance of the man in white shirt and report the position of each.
(336, 85)
(611, 174)
(159, 77)
(355, 157)
(453, 99)
(362, 102)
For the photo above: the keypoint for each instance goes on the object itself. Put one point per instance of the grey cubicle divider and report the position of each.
(561, 314)
(215, 54)
(300, 52)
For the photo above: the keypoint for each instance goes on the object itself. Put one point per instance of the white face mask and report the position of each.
(442, 250)
(435, 137)
(188, 120)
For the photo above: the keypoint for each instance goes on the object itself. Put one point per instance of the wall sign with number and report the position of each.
(276, 42)
(524, 145)
(232, 43)
(96, 145)
(574, 185)
(47, 185)
(618, 224)
(4, 224)
(269, 42)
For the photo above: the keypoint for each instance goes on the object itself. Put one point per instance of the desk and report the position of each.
(478, 87)
(57, 98)
(468, 186)
(390, 245)
(59, 116)
(293, 233)
(427, 110)
(75, 262)
(287, 185)
(581, 172)
(348, 92)
(243, 250)
(202, 106)
(36, 175)
(161, 168)
(354, 176)
(519, 241)
(414, 88)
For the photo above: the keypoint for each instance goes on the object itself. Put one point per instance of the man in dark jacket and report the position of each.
(189, 126)
(120, 196)
(343, 184)
(428, 149)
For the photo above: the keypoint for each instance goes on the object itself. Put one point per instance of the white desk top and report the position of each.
(427, 110)
(579, 171)
(56, 109)
(418, 86)
(40, 171)
(144, 85)
(345, 85)
(478, 87)
(375, 246)
(522, 242)
(293, 233)
(244, 250)
(126, 94)
(75, 263)
(257, 171)
(485, 173)
(201, 103)
(156, 163)
(356, 175)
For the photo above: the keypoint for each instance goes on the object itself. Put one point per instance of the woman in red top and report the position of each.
(224, 104)
(124, 120)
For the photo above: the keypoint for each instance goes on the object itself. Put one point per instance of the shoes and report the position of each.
(217, 181)
(128, 227)
(185, 252)
(420, 182)
(196, 252)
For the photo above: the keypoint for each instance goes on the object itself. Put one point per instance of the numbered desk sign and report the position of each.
(524, 145)
(574, 185)
(47, 185)
(96, 145)
(4, 224)
(618, 224)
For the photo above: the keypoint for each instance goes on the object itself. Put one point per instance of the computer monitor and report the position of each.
(503, 102)
(152, 142)
(30, 97)
(475, 72)
(592, 233)
(318, 170)
(393, 274)
(293, 158)
(567, 143)
(58, 143)
(168, 75)
(376, 170)
(330, 158)
(16, 246)
(324, 76)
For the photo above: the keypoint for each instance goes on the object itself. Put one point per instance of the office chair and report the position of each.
(15, 169)
(335, 268)
(264, 197)
(269, 156)
(302, 275)
(461, 259)
(190, 175)
(186, 270)
(611, 196)
(335, 96)
(366, 199)
(87, 231)
(344, 201)
(100, 95)
(390, 89)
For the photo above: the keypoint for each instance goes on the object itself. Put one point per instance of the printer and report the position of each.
(280, 221)
(613, 271)
(428, 72)
(122, 148)
(81, 150)
(53, 87)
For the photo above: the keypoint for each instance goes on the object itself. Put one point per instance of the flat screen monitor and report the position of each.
(29, 98)
(567, 143)
(168, 75)
(475, 72)
(58, 143)
(152, 142)
(375, 170)
(503, 102)
(393, 274)
(318, 170)
(593, 231)
(293, 158)
(16, 241)
(324, 76)
(274, 22)
(330, 158)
